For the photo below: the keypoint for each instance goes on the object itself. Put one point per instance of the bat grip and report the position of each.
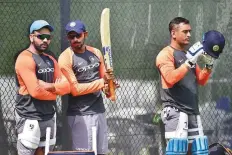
(112, 90)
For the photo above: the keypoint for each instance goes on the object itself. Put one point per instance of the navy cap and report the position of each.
(76, 26)
(39, 24)
(213, 43)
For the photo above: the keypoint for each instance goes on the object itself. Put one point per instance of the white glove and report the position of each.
(193, 53)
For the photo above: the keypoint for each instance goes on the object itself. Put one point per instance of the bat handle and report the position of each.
(112, 90)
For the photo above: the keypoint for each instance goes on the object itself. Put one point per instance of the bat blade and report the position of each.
(105, 37)
(106, 47)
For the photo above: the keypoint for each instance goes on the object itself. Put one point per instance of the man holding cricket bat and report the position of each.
(180, 76)
(39, 80)
(84, 68)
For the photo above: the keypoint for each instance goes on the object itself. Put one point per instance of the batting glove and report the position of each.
(193, 53)
(207, 60)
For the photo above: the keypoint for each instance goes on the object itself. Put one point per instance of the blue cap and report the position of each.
(76, 26)
(39, 24)
(213, 43)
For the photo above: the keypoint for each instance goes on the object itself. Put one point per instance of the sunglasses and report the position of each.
(43, 36)
(76, 35)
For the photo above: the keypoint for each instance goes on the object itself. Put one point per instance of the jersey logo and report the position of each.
(181, 60)
(48, 62)
(39, 64)
(45, 70)
(91, 66)
(91, 58)
(80, 63)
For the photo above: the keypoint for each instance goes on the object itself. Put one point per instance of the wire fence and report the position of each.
(139, 30)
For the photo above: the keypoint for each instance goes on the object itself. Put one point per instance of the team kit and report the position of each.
(84, 73)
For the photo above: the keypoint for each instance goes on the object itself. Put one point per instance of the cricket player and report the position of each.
(180, 76)
(40, 81)
(84, 68)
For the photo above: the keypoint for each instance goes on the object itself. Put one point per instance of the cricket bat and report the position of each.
(106, 47)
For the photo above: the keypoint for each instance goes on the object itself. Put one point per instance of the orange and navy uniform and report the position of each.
(178, 81)
(33, 101)
(85, 72)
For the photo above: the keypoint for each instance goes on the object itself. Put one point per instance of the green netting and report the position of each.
(139, 30)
